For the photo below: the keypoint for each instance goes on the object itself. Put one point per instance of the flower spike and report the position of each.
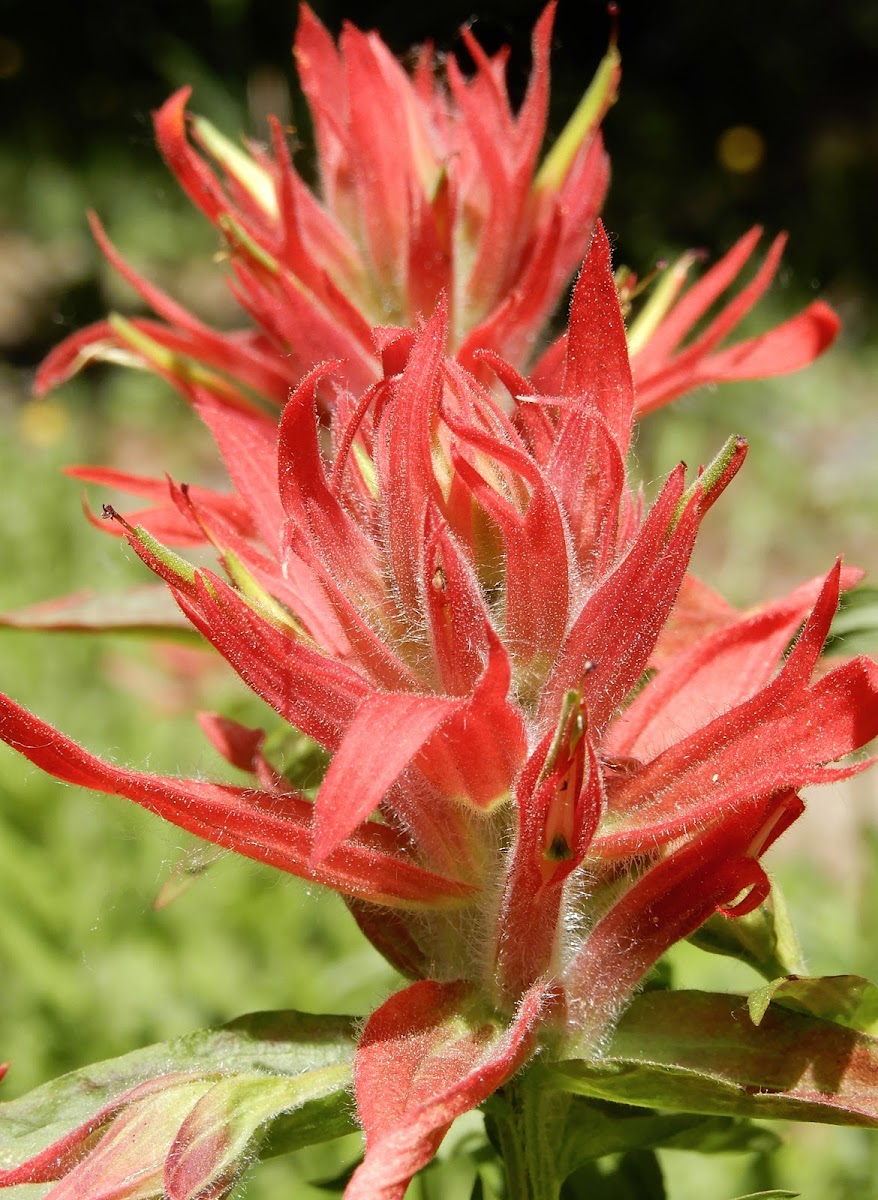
(546, 747)
(448, 199)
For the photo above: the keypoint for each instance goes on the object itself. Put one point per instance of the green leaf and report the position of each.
(848, 1000)
(854, 629)
(700, 1052)
(147, 610)
(722, 1135)
(593, 1129)
(336, 1185)
(455, 1176)
(490, 1183)
(289, 1059)
(588, 1183)
(301, 760)
(764, 939)
(772, 1194)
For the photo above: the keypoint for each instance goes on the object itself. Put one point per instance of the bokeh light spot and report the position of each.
(43, 423)
(740, 149)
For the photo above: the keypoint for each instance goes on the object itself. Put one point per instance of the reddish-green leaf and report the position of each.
(700, 1052)
(239, 1077)
(145, 610)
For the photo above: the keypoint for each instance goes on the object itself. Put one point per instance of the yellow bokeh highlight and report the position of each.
(42, 423)
(740, 149)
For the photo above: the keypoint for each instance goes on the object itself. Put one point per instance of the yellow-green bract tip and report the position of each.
(587, 116)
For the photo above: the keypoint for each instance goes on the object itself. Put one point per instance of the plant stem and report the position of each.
(525, 1122)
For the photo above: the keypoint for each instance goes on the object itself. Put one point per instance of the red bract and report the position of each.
(665, 364)
(456, 596)
(664, 367)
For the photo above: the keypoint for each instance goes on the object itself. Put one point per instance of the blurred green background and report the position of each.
(88, 968)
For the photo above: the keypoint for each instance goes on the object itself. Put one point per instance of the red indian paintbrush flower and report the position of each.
(429, 185)
(533, 791)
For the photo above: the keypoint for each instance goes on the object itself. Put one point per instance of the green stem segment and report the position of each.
(524, 1123)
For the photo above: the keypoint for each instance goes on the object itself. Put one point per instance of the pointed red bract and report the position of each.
(665, 365)
(720, 669)
(596, 369)
(666, 903)
(664, 368)
(418, 1069)
(721, 765)
(560, 802)
(274, 828)
(387, 733)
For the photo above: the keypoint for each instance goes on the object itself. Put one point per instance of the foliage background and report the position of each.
(88, 968)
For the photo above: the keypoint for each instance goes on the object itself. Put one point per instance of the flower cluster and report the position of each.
(552, 752)
(448, 201)
(463, 606)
